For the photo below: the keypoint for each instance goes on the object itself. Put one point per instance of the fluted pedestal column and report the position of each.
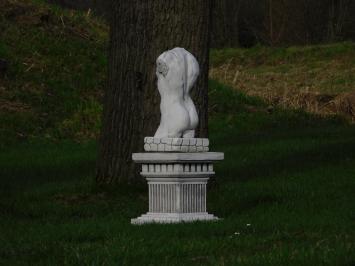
(177, 185)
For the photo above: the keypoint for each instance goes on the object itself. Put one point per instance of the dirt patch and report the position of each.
(345, 105)
(30, 15)
(24, 13)
(14, 107)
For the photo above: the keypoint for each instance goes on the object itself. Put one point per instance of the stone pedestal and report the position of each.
(177, 185)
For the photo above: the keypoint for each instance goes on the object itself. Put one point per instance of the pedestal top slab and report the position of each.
(156, 157)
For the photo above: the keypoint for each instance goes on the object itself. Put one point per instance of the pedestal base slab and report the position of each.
(173, 218)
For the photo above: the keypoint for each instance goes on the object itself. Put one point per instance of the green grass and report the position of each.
(57, 67)
(284, 191)
(263, 55)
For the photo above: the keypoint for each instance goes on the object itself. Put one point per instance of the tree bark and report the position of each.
(140, 31)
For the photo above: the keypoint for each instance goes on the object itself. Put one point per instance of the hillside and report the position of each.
(53, 68)
(53, 71)
(318, 79)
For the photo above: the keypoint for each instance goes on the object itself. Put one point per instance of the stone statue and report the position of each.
(177, 71)
(176, 165)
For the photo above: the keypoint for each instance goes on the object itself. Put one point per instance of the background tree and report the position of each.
(272, 22)
(338, 16)
(140, 31)
(225, 23)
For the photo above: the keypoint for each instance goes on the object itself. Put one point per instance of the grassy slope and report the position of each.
(289, 175)
(298, 77)
(56, 71)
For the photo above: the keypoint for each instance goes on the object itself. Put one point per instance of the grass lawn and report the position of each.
(285, 192)
(56, 71)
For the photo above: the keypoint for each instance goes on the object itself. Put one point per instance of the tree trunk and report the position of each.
(140, 31)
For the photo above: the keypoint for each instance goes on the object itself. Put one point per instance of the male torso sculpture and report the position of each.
(177, 71)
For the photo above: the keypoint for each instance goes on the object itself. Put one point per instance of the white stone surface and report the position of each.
(161, 147)
(173, 218)
(205, 142)
(155, 157)
(177, 185)
(192, 149)
(199, 142)
(200, 149)
(176, 144)
(177, 71)
(148, 140)
(177, 165)
(146, 147)
(176, 199)
(177, 170)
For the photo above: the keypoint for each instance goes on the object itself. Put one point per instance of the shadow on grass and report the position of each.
(33, 164)
(289, 161)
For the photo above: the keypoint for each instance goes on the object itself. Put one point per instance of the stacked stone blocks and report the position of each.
(176, 144)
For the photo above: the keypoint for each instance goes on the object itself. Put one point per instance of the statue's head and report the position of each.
(177, 69)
